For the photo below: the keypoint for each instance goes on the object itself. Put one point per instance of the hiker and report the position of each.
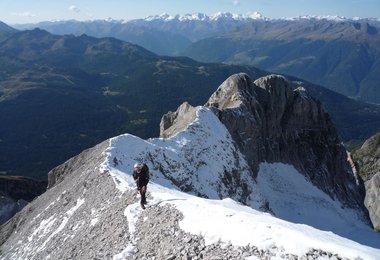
(141, 177)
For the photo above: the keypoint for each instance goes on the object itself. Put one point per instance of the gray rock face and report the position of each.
(368, 160)
(368, 157)
(273, 123)
(269, 121)
(174, 122)
(372, 200)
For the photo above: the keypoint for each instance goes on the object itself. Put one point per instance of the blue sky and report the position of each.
(25, 11)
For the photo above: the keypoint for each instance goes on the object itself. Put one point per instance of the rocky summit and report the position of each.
(258, 173)
(271, 122)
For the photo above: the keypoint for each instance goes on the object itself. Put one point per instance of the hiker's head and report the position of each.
(138, 167)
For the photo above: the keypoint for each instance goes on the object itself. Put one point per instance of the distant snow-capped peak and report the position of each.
(227, 16)
(163, 17)
(196, 16)
(204, 17)
(217, 17)
(238, 17)
(336, 18)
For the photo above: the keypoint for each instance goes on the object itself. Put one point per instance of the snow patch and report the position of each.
(64, 222)
(71, 211)
(128, 251)
(94, 221)
(132, 212)
(43, 228)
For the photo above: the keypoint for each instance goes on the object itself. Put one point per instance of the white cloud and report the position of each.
(24, 14)
(236, 2)
(74, 8)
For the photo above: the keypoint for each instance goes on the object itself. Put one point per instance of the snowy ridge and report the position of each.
(250, 16)
(204, 17)
(217, 17)
(335, 18)
(197, 158)
(186, 158)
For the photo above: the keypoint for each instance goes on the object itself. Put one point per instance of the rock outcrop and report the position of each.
(372, 200)
(269, 121)
(368, 160)
(273, 123)
(368, 157)
(174, 122)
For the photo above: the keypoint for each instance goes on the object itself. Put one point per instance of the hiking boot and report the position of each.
(142, 205)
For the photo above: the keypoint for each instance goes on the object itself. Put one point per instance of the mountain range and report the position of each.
(339, 53)
(343, 56)
(258, 172)
(62, 94)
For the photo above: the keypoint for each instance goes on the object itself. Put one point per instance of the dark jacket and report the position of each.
(141, 178)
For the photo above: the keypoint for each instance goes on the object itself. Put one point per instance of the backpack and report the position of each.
(145, 169)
